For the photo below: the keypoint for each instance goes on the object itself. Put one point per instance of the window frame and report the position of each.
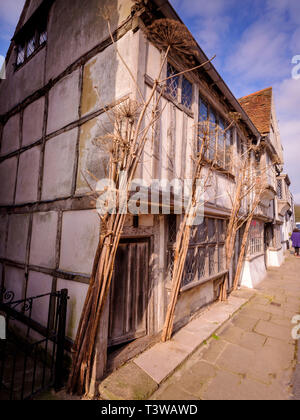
(222, 160)
(178, 98)
(210, 243)
(256, 239)
(34, 37)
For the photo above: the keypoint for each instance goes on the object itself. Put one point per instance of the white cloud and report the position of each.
(210, 20)
(260, 54)
(10, 11)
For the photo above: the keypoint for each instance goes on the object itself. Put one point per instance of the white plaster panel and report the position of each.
(77, 293)
(115, 80)
(153, 61)
(190, 140)
(58, 165)
(224, 189)
(8, 172)
(17, 237)
(275, 258)
(11, 135)
(39, 284)
(193, 300)
(15, 282)
(63, 102)
(254, 272)
(80, 235)
(3, 229)
(43, 239)
(33, 120)
(93, 159)
(28, 176)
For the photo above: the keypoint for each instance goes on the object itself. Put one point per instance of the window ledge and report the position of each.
(198, 283)
(254, 257)
(275, 249)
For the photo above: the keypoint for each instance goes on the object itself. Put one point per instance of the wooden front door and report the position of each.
(129, 292)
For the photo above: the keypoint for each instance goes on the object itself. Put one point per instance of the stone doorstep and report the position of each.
(160, 361)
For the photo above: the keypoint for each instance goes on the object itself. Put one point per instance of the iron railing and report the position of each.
(32, 356)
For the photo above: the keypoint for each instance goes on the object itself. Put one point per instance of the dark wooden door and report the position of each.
(129, 292)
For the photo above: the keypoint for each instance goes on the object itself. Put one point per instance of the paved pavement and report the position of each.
(253, 356)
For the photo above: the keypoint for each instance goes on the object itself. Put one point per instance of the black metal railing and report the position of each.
(32, 355)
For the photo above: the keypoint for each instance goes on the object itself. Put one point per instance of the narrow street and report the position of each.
(253, 357)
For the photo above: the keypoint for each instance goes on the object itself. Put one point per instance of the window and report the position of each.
(32, 41)
(228, 149)
(206, 254)
(220, 152)
(212, 135)
(173, 83)
(187, 93)
(20, 54)
(279, 189)
(220, 138)
(256, 238)
(202, 122)
(179, 88)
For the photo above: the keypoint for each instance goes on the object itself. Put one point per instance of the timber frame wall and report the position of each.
(74, 202)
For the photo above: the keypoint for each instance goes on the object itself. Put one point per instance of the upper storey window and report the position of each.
(179, 88)
(31, 41)
(218, 135)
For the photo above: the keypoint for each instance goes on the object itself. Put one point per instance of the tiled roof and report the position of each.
(258, 106)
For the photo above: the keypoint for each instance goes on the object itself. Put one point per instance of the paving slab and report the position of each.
(128, 383)
(163, 359)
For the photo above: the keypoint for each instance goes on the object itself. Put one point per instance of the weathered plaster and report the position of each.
(63, 102)
(93, 157)
(191, 301)
(59, 165)
(33, 120)
(8, 173)
(43, 252)
(39, 284)
(67, 42)
(17, 237)
(3, 229)
(15, 282)
(105, 78)
(80, 235)
(28, 176)
(254, 272)
(11, 135)
(21, 83)
(33, 5)
(275, 257)
(77, 294)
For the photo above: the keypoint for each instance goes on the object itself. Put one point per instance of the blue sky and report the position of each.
(254, 40)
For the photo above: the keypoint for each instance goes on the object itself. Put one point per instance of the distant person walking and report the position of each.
(296, 241)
